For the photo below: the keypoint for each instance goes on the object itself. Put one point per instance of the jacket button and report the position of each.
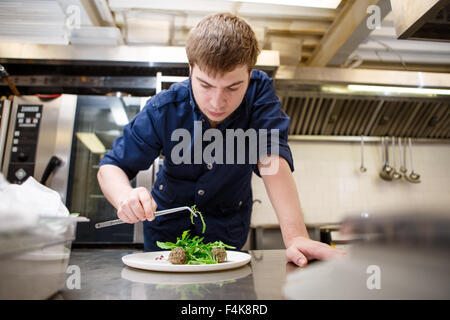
(201, 192)
(240, 203)
(161, 187)
(209, 166)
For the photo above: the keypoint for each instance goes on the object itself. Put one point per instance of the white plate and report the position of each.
(147, 261)
(180, 278)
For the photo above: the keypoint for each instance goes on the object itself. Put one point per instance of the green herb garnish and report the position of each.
(197, 252)
(194, 208)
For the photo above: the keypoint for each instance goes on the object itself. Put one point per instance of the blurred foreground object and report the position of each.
(402, 256)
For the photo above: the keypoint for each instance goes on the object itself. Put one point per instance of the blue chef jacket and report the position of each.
(222, 192)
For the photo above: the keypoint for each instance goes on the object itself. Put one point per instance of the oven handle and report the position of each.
(52, 165)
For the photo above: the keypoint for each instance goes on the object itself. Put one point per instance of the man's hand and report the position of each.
(302, 249)
(136, 205)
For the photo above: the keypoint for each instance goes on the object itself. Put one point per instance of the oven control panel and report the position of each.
(24, 143)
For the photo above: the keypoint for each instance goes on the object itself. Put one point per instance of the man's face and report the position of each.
(218, 97)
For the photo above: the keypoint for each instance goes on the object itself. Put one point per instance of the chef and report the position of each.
(190, 125)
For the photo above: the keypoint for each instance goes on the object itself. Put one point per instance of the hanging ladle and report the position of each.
(412, 177)
(362, 168)
(395, 174)
(386, 171)
(402, 152)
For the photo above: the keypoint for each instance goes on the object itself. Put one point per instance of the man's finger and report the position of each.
(137, 209)
(145, 199)
(123, 215)
(295, 256)
(323, 251)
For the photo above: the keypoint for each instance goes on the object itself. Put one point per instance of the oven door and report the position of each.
(99, 121)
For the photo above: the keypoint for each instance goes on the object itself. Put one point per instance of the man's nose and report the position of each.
(218, 99)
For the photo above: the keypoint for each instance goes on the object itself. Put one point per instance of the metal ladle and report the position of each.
(413, 177)
(402, 152)
(386, 171)
(395, 174)
(362, 168)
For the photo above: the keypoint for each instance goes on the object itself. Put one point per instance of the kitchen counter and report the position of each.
(104, 276)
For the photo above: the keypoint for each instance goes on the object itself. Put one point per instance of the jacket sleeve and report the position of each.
(266, 113)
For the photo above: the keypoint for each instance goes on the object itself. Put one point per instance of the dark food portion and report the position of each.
(219, 254)
(177, 256)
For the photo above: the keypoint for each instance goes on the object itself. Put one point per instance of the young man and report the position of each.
(223, 95)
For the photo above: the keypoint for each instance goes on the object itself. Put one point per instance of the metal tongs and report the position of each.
(157, 213)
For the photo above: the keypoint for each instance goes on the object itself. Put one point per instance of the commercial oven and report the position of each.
(39, 140)
(59, 140)
(5, 106)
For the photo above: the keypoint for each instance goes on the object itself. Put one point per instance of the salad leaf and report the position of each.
(197, 252)
(194, 208)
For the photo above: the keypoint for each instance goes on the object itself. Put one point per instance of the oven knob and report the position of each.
(22, 157)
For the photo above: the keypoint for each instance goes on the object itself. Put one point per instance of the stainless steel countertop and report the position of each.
(104, 276)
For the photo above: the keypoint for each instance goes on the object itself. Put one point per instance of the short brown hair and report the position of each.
(221, 42)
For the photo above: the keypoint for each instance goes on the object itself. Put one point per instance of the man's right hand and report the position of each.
(136, 205)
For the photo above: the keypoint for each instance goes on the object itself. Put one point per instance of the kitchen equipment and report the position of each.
(157, 213)
(395, 174)
(402, 152)
(59, 140)
(5, 75)
(412, 177)
(399, 255)
(34, 262)
(5, 107)
(386, 171)
(362, 168)
(40, 129)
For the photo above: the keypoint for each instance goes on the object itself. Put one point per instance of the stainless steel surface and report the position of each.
(104, 276)
(413, 176)
(317, 113)
(420, 20)
(362, 168)
(386, 170)
(33, 262)
(395, 174)
(320, 101)
(357, 139)
(140, 55)
(289, 77)
(54, 138)
(67, 82)
(402, 152)
(157, 213)
(5, 108)
(401, 255)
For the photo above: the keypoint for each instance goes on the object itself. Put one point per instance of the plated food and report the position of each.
(187, 250)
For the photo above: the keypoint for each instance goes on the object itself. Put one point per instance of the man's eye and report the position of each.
(205, 86)
(232, 89)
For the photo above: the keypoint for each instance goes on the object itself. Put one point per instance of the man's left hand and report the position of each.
(302, 249)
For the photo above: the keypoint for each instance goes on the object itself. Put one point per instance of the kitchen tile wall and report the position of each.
(331, 186)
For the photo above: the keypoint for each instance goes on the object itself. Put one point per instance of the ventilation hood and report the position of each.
(422, 20)
(347, 102)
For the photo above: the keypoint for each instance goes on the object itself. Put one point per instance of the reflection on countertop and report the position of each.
(104, 276)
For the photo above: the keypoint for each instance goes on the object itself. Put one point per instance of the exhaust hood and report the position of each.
(344, 102)
(422, 20)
